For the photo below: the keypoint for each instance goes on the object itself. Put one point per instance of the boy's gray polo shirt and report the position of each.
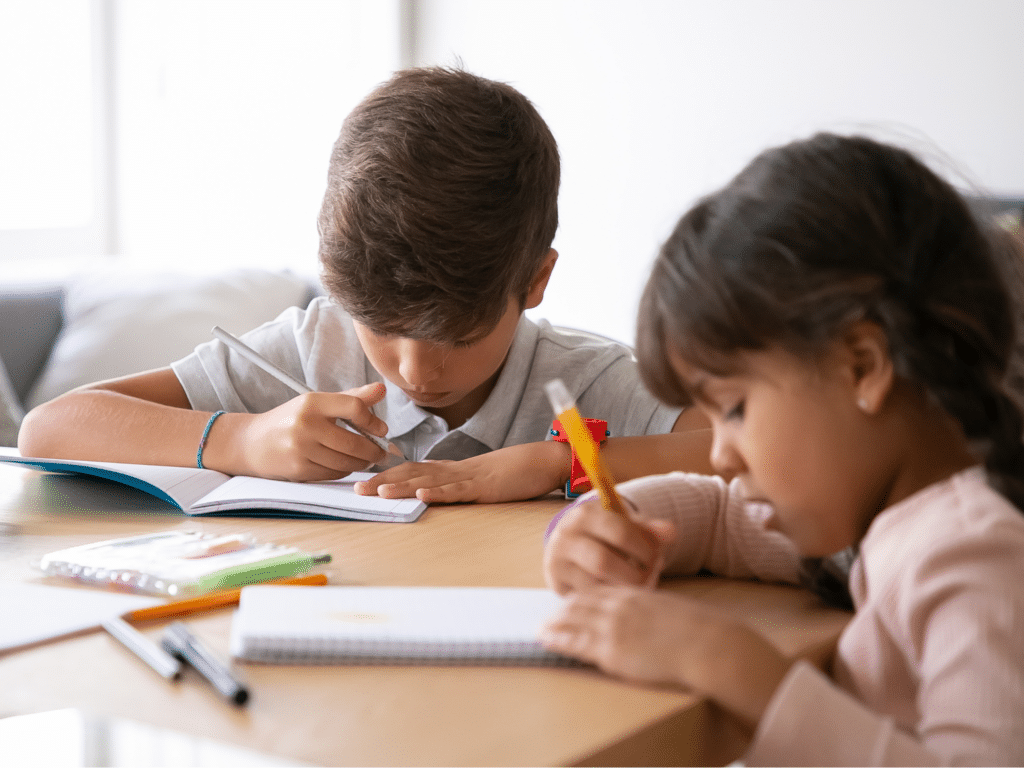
(319, 346)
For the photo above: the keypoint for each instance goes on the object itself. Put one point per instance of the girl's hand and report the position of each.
(508, 474)
(657, 638)
(593, 546)
(301, 439)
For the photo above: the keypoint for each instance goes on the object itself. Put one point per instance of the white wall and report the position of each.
(655, 102)
(226, 111)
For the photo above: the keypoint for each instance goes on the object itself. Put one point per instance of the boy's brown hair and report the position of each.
(441, 204)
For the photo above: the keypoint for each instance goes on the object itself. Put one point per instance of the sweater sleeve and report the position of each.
(960, 616)
(935, 645)
(810, 721)
(715, 529)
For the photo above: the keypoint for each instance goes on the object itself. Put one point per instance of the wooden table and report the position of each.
(352, 715)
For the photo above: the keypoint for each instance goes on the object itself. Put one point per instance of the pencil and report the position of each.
(212, 600)
(583, 444)
(259, 361)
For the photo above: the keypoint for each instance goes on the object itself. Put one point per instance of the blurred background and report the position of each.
(195, 134)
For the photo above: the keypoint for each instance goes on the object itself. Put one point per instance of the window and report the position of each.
(179, 132)
(54, 197)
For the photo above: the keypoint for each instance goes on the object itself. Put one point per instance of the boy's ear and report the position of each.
(540, 280)
(870, 365)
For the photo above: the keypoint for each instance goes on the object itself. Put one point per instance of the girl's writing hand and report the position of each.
(508, 474)
(301, 439)
(592, 545)
(657, 638)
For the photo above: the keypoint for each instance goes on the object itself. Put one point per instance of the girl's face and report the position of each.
(792, 432)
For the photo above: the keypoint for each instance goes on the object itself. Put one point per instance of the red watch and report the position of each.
(578, 482)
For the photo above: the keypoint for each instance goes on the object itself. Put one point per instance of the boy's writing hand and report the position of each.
(508, 474)
(657, 638)
(301, 439)
(594, 546)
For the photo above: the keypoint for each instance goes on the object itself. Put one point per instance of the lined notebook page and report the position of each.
(393, 625)
(179, 485)
(279, 494)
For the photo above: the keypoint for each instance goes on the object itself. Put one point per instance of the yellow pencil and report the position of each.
(583, 444)
(213, 600)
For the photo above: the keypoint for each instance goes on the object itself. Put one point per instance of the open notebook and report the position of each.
(393, 625)
(206, 492)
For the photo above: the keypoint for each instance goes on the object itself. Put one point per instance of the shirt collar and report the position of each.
(403, 415)
(492, 422)
(891, 520)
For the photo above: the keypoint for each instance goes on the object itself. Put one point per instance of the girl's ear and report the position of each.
(540, 280)
(870, 365)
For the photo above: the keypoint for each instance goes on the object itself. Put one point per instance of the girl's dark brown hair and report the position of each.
(441, 204)
(819, 233)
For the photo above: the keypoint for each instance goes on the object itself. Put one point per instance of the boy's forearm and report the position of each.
(631, 457)
(558, 459)
(103, 425)
(688, 449)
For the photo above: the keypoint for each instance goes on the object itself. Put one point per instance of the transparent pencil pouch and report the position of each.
(179, 563)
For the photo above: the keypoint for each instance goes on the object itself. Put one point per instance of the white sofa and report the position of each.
(56, 335)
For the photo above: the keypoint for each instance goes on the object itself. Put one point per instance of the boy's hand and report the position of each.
(301, 439)
(657, 638)
(508, 474)
(593, 546)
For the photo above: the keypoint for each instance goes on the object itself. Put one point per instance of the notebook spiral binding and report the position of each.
(383, 651)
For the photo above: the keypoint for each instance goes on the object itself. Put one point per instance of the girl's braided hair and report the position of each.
(819, 233)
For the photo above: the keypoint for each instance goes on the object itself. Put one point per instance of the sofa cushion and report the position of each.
(10, 410)
(119, 322)
(32, 314)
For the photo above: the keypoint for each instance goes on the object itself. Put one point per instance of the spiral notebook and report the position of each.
(394, 625)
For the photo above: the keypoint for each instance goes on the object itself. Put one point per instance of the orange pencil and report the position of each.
(583, 444)
(212, 600)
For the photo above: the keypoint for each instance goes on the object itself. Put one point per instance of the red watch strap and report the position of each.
(578, 481)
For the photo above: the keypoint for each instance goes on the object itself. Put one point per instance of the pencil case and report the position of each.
(179, 563)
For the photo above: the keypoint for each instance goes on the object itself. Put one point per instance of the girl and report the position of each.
(847, 326)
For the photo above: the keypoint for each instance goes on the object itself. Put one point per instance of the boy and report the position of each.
(436, 231)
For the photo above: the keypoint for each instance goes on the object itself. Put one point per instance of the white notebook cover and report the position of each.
(393, 625)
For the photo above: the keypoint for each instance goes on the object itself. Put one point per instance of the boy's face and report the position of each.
(450, 380)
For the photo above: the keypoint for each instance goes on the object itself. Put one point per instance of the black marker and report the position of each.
(181, 643)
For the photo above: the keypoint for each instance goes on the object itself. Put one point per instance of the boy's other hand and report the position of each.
(592, 546)
(507, 474)
(301, 439)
